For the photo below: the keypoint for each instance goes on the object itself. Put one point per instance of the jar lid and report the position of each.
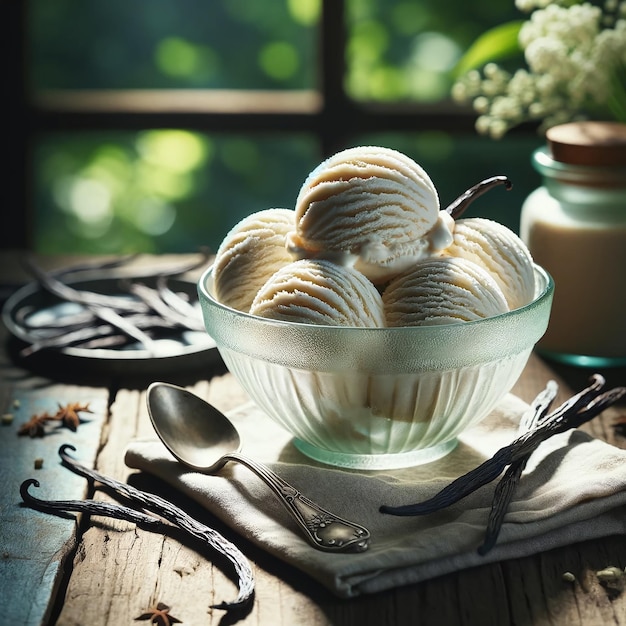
(588, 143)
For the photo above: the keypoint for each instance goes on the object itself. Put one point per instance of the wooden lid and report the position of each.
(588, 143)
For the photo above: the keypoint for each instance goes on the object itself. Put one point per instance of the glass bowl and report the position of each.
(376, 398)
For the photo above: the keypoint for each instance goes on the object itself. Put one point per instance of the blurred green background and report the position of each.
(175, 190)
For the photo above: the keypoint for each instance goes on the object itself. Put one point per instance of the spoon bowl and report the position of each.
(202, 438)
(193, 430)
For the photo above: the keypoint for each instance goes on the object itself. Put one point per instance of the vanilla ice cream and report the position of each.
(501, 252)
(444, 290)
(367, 221)
(249, 254)
(370, 207)
(317, 291)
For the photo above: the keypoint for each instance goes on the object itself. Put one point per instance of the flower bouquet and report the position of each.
(575, 57)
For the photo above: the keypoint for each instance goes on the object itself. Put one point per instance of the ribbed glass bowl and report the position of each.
(376, 398)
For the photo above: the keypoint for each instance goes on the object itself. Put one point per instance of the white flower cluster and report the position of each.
(576, 58)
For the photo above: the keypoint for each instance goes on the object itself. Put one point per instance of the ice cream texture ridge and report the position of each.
(368, 245)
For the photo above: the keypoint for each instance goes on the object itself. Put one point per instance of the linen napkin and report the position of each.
(573, 489)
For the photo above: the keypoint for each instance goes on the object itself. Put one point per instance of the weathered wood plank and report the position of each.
(34, 546)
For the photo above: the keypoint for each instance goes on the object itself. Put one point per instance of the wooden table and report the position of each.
(101, 571)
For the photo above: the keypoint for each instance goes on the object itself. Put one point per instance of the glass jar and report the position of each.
(575, 227)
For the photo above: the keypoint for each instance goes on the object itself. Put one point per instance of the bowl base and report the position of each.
(583, 360)
(376, 461)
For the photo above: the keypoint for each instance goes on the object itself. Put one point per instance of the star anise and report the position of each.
(68, 414)
(35, 426)
(160, 615)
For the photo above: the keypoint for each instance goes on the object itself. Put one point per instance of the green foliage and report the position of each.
(223, 44)
(496, 44)
(159, 191)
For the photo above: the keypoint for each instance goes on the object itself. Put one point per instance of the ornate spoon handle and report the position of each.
(324, 530)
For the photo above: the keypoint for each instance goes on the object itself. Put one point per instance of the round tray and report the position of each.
(176, 348)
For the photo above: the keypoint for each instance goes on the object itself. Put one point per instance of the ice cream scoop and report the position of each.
(251, 252)
(501, 252)
(444, 290)
(370, 207)
(316, 291)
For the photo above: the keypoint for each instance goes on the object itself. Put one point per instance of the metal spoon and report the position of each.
(204, 439)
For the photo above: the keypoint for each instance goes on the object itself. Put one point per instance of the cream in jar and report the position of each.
(575, 227)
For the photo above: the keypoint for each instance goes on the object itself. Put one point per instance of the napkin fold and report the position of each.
(573, 489)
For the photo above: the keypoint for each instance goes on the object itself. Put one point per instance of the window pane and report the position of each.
(406, 49)
(135, 44)
(159, 191)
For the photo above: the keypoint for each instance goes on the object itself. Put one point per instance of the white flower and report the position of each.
(481, 104)
(574, 52)
(545, 54)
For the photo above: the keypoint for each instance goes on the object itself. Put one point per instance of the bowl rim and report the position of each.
(545, 292)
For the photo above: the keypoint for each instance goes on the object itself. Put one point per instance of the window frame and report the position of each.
(327, 112)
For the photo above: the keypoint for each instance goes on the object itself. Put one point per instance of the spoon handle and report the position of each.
(324, 530)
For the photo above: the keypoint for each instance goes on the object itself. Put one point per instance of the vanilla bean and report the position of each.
(92, 267)
(505, 489)
(86, 334)
(86, 298)
(458, 207)
(151, 298)
(144, 309)
(103, 343)
(117, 511)
(178, 517)
(126, 326)
(65, 340)
(175, 301)
(576, 411)
(538, 409)
(502, 497)
(90, 507)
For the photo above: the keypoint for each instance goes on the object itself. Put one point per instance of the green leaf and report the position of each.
(495, 44)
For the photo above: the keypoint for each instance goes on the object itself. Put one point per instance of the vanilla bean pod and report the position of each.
(92, 267)
(121, 313)
(152, 298)
(506, 487)
(104, 342)
(458, 206)
(119, 512)
(88, 335)
(126, 326)
(175, 301)
(534, 416)
(179, 518)
(86, 298)
(64, 340)
(537, 412)
(502, 497)
(576, 411)
(90, 507)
